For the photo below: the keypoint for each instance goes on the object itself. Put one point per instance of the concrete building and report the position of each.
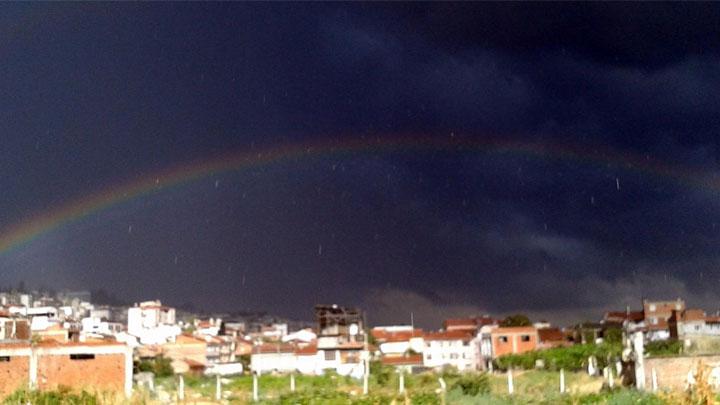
(450, 348)
(657, 314)
(152, 323)
(496, 341)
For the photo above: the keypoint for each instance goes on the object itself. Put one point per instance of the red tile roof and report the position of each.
(411, 360)
(383, 336)
(449, 335)
(551, 335)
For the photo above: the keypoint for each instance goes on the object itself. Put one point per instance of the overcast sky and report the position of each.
(95, 95)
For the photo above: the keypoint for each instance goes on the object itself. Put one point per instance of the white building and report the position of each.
(152, 323)
(97, 326)
(450, 348)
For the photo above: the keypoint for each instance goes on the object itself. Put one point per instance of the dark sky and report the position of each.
(93, 95)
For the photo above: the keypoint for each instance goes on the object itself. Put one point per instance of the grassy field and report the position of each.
(531, 387)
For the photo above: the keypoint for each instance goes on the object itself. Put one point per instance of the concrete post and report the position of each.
(611, 379)
(654, 380)
(562, 381)
(401, 388)
(292, 382)
(181, 388)
(218, 388)
(365, 382)
(128, 372)
(511, 389)
(443, 389)
(255, 387)
(34, 368)
(639, 350)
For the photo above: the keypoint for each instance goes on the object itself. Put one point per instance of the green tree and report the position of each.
(516, 320)
(612, 335)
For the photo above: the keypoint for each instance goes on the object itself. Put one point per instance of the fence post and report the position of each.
(292, 382)
(443, 389)
(181, 388)
(611, 379)
(510, 381)
(401, 388)
(218, 387)
(562, 381)
(255, 387)
(654, 380)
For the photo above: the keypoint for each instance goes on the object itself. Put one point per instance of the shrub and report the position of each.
(472, 384)
(663, 347)
(570, 358)
(61, 396)
(160, 366)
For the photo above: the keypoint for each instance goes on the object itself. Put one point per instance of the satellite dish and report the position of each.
(354, 329)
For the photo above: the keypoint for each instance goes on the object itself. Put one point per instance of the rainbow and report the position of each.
(25, 231)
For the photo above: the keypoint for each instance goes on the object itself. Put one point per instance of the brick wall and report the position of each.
(102, 368)
(14, 374)
(104, 372)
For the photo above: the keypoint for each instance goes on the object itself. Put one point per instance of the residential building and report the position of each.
(552, 337)
(657, 314)
(497, 341)
(450, 348)
(692, 323)
(152, 323)
(398, 341)
(341, 339)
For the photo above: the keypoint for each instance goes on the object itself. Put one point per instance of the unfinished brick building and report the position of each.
(93, 366)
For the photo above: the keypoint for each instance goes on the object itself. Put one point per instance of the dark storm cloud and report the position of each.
(95, 93)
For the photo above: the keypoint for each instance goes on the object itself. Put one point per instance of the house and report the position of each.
(186, 352)
(657, 314)
(468, 324)
(220, 349)
(398, 341)
(693, 323)
(47, 365)
(450, 348)
(496, 341)
(552, 337)
(273, 358)
(341, 340)
(14, 329)
(152, 323)
(209, 327)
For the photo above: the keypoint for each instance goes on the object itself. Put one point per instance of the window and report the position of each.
(82, 356)
(503, 339)
(453, 356)
(652, 307)
(4, 358)
(525, 338)
(329, 355)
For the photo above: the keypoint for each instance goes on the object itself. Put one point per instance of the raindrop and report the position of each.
(130, 229)
(176, 259)
(217, 183)
(592, 200)
(617, 183)
(319, 250)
